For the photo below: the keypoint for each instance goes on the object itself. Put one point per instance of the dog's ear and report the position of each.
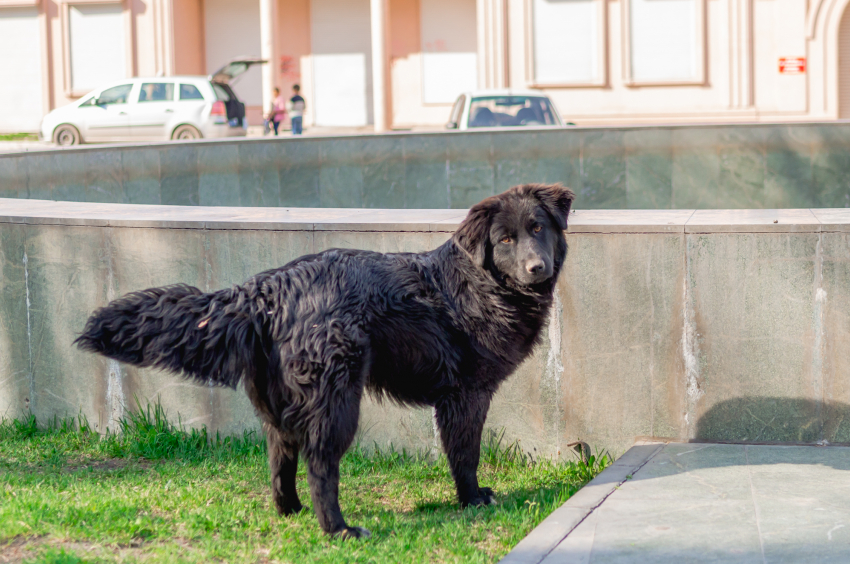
(474, 232)
(557, 199)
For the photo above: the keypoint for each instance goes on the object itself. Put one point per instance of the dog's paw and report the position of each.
(353, 533)
(287, 510)
(485, 497)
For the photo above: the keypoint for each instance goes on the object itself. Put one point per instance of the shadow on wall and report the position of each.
(775, 420)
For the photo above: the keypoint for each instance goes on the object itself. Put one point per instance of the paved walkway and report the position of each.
(704, 503)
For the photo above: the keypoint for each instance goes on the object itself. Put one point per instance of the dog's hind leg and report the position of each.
(283, 464)
(330, 432)
(460, 417)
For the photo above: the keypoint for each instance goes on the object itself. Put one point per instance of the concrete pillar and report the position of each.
(268, 49)
(47, 83)
(741, 67)
(380, 64)
(491, 16)
(163, 38)
(481, 36)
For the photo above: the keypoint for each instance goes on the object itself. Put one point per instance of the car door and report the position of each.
(106, 116)
(153, 109)
(190, 105)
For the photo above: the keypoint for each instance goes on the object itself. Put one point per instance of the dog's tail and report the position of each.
(209, 337)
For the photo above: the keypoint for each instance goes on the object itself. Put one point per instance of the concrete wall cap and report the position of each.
(236, 141)
(48, 212)
(753, 221)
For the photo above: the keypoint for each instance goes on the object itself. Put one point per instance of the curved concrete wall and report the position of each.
(716, 325)
(671, 167)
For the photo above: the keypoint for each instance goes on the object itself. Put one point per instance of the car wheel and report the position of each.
(186, 132)
(66, 135)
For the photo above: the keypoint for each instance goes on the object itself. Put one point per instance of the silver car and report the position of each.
(154, 109)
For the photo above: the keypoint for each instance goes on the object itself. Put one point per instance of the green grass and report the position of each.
(18, 137)
(156, 493)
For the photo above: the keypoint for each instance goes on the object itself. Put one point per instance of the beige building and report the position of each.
(401, 63)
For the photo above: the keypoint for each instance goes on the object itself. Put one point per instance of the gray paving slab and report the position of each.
(546, 536)
(709, 503)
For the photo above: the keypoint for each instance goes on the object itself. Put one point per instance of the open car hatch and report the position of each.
(234, 68)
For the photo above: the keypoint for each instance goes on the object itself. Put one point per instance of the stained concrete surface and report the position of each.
(741, 166)
(708, 503)
(661, 326)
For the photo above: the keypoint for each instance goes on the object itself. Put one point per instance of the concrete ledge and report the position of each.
(740, 166)
(534, 548)
(48, 212)
(711, 326)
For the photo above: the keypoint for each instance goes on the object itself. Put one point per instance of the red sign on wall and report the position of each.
(792, 65)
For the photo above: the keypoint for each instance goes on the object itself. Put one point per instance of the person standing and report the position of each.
(278, 110)
(296, 109)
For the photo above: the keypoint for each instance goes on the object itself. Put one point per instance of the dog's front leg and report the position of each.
(460, 417)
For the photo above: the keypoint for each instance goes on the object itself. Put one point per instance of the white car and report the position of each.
(503, 108)
(154, 109)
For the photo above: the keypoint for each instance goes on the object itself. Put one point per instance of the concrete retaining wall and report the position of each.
(722, 325)
(670, 167)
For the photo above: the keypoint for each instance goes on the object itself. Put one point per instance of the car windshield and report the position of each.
(115, 95)
(508, 111)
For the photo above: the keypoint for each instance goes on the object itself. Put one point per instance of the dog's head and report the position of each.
(519, 235)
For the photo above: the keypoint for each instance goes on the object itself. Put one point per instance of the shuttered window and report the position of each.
(567, 41)
(449, 50)
(665, 40)
(20, 51)
(97, 45)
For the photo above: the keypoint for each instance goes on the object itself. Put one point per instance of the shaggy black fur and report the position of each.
(442, 328)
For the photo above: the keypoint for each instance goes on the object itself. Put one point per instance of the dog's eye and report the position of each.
(537, 228)
(506, 239)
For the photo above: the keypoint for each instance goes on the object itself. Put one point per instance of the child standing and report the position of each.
(296, 109)
(278, 109)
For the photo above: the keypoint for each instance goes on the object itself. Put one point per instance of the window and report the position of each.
(457, 109)
(96, 44)
(505, 111)
(156, 92)
(568, 42)
(115, 95)
(190, 92)
(665, 41)
(449, 49)
(221, 93)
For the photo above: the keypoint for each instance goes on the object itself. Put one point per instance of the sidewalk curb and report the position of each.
(535, 547)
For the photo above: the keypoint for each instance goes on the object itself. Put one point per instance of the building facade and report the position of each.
(401, 63)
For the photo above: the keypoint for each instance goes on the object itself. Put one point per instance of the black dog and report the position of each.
(442, 328)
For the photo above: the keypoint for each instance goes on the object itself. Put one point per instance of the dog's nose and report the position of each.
(534, 266)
